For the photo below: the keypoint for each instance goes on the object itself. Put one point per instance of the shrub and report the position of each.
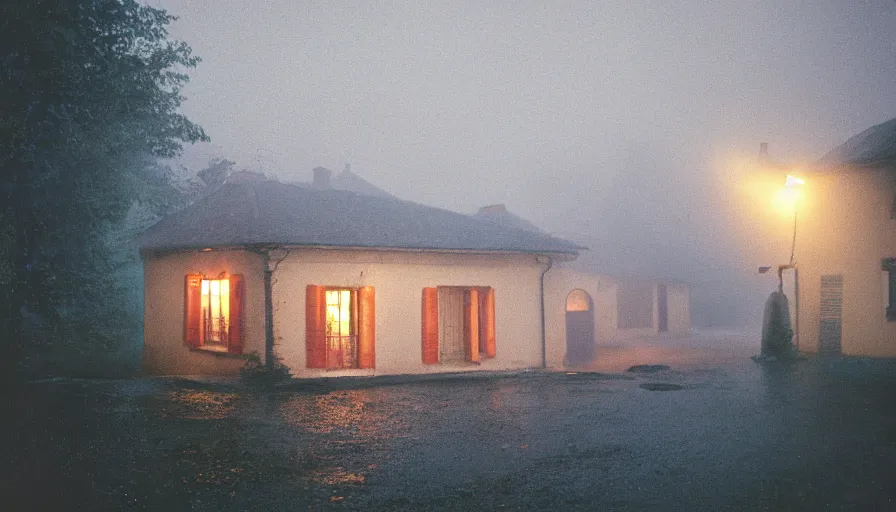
(255, 372)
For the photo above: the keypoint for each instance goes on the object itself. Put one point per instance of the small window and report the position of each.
(342, 328)
(888, 265)
(213, 313)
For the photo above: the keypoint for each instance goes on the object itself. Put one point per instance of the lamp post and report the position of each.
(791, 191)
(794, 184)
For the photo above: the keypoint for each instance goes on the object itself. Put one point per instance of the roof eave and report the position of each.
(558, 255)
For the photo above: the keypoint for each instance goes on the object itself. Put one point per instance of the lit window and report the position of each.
(342, 343)
(340, 327)
(215, 312)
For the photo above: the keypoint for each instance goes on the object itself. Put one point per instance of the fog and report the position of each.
(623, 127)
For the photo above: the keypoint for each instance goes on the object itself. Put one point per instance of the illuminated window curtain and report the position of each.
(215, 311)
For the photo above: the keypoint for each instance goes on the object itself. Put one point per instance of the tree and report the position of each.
(89, 98)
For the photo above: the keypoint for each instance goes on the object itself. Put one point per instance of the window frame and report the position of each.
(363, 312)
(194, 320)
(888, 265)
(354, 327)
(478, 320)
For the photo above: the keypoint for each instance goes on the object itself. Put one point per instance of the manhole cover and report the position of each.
(661, 386)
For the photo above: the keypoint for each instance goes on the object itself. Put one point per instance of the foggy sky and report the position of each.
(463, 103)
(560, 112)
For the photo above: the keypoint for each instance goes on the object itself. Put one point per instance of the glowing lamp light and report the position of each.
(792, 181)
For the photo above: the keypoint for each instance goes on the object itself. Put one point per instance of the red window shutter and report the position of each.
(471, 324)
(235, 337)
(483, 319)
(315, 327)
(366, 328)
(193, 310)
(490, 346)
(430, 326)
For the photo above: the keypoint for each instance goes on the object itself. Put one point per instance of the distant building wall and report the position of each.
(679, 308)
(639, 309)
(636, 305)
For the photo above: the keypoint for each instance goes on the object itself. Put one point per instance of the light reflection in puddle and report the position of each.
(200, 405)
(346, 414)
(336, 476)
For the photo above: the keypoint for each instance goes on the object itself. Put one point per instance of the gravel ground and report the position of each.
(722, 433)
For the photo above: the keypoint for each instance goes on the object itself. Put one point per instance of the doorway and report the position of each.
(580, 344)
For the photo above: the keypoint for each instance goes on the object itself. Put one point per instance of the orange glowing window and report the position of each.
(215, 312)
(340, 327)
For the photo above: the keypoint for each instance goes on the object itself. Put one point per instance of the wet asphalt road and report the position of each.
(737, 435)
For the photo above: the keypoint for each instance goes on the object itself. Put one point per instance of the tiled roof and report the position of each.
(874, 145)
(502, 217)
(269, 212)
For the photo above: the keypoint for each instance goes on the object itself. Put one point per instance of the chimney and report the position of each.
(492, 209)
(322, 178)
(763, 153)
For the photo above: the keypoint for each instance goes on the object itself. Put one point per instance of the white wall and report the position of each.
(678, 304)
(559, 282)
(164, 352)
(398, 279)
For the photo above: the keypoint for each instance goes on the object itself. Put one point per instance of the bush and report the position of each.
(256, 373)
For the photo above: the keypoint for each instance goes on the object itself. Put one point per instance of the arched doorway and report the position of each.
(580, 346)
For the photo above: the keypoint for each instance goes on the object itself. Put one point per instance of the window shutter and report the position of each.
(235, 336)
(490, 347)
(430, 326)
(471, 324)
(315, 327)
(193, 310)
(366, 328)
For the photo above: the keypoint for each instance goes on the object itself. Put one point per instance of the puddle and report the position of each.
(200, 405)
(648, 368)
(337, 476)
(661, 386)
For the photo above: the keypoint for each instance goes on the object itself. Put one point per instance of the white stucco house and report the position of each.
(333, 283)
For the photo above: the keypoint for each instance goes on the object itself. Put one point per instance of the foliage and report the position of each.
(216, 172)
(255, 372)
(89, 99)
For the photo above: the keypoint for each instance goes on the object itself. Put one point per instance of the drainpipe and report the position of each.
(268, 312)
(796, 297)
(544, 338)
(270, 265)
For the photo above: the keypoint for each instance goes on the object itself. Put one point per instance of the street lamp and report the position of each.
(793, 185)
(791, 194)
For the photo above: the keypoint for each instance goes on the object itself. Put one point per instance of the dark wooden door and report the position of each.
(580, 347)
